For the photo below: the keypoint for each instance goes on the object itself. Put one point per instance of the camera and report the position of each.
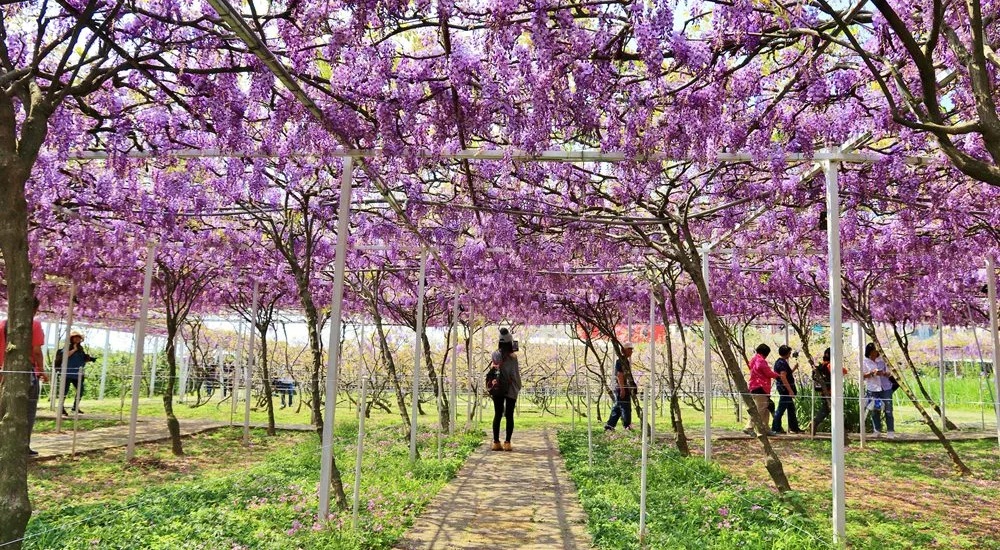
(795, 354)
(516, 348)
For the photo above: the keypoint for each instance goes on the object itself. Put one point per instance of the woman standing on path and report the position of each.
(510, 380)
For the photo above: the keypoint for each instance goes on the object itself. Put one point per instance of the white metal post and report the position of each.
(468, 361)
(651, 408)
(991, 285)
(418, 344)
(831, 169)
(185, 373)
(251, 362)
(940, 327)
(707, 377)
(359, 454)
(644, 467)
(65, 358)
(453, 408)
(153, 360)
(54, 378)
(104, 365)
(859, 338)
(234, 378)
(140, 351)
(590, 428)
(333, 356)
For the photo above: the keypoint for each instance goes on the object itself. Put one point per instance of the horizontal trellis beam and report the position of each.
(557, 155)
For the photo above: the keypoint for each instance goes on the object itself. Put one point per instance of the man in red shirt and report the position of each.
(37, 364)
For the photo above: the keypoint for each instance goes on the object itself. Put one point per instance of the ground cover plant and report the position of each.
(233, 497)
(899, 495)
(690, 504)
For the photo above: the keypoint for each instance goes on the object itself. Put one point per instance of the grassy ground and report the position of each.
(45, 425)
(225, 495)
(898, 495)
(691, 504)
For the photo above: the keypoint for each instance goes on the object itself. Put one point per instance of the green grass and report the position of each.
(691, 504)
(245, 498)
(899, 495)
(45, 425)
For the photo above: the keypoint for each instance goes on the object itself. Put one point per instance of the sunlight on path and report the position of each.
(520, 499)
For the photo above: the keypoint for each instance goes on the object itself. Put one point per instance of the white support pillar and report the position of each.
(991, 285)
(185, 375)
(831, 169)
(65, 358)
(153, 360)
(104, 364)
(360, 449)
(643, 468)
(707, 350)
(941, 371)
(234, 378)
(453, 408)
(333, 356)
(54, 377)
(140, 351)
(651, 408)
(468, 360)
(859, 338)
(251, 362)
(417, 354)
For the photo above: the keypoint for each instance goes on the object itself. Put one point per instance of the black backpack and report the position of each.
(496, 382)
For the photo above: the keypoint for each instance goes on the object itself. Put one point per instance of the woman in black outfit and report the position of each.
(510, 376)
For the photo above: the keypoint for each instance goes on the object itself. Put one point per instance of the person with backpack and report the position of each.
(786, 393)
(623, 392)
(78, 358)
(503, 381)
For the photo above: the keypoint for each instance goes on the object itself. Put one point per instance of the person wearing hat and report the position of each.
(74, 369)
(505, 360)
(623, 392)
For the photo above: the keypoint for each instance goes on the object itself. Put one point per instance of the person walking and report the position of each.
(37, 368)
(760, 387)
(623, 392)
(872, 375)
(509, 378)
(885, 397)
(78, 358)
(786, 393)
(822, 382)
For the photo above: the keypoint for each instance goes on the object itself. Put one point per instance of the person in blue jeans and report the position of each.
(885, 396)
(786, 393)
(873, 387)
(623, 392)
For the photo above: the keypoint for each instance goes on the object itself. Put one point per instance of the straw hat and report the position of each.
(76, 333)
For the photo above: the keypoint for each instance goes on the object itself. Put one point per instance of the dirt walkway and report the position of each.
(147, 430)
(520, 499)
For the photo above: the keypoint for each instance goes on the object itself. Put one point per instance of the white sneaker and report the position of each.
(890, 435)
(876, 433)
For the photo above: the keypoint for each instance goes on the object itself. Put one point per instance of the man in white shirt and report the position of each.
(873, 387)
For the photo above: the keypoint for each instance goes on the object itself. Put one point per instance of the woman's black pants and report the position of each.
(503, 407)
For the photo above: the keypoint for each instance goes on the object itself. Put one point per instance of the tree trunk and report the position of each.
(444, 416)
(312, 322)
(173, 426)
(266, 374)
(676, 420)
(15, 431)
(904, 346)
(773, 464)
(960, 465)
(390, 365)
